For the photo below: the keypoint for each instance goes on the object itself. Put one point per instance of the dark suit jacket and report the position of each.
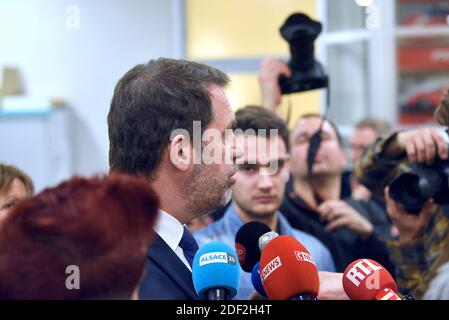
(166, 276)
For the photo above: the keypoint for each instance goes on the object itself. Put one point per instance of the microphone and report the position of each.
(287, 270)
(216, 272)
(265, 238)
(247, 243)
(257, 283)
(365, 279)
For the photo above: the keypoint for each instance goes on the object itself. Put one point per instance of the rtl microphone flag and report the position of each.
(365, 279)
(247, 243)
(288, 271)
(216, 272)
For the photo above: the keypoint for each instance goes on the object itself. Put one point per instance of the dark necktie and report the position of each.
(188, 245)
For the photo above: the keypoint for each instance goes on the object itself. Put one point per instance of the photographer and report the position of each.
(319, 203)
(424, 236)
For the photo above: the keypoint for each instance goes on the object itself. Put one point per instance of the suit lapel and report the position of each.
(169, 262)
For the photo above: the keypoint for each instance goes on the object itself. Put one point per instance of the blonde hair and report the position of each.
(442, 112)
(7, 175)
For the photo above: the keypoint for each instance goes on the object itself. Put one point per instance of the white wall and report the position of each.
(82, 65)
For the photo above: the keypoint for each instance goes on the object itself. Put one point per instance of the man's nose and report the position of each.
(265, 180)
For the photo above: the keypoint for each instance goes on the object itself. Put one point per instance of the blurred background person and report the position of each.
(101, 226)
(320, 202)
(365, 133)
(15, 186)
(423, 243)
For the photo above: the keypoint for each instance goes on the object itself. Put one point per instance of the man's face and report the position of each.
(210, 181)
(10, 198)
(330, 158)
(262, 175)
(361, 138)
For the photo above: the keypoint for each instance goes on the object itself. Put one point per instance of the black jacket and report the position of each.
(166, 277)
(344, 244)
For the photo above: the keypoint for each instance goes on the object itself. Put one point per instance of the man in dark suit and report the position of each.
(156, 108)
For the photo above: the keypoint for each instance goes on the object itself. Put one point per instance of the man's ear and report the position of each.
(180, 152)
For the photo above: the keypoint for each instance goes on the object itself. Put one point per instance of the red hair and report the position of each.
(102, 225)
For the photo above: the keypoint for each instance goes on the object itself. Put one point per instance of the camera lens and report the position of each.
(406, 191)
(412, 190)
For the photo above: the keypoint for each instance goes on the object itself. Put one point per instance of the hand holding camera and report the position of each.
(302, 72)
(411, 195)
(420, 146)
(427, 151)
(270, 71)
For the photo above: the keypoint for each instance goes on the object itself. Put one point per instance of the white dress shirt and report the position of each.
(171, 231)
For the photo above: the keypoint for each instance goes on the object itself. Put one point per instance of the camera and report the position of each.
(413, 189)
(307, 74)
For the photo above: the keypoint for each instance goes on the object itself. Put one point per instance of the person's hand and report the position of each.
(409, 226)
(269, 73)
(331, 286)
(256, 296)
(421, 145)
(338, 213)
(360, 192)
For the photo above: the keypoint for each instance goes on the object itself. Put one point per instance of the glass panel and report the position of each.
(413, 13)
(344, 15)
(423, 65)
(348, 67)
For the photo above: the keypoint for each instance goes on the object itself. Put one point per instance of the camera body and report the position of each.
(413, 189)
(307, 74)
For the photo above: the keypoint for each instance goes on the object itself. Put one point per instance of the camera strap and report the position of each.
(314, 145)
(315, 140)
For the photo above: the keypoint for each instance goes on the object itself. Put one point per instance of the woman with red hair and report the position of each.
(84, 239)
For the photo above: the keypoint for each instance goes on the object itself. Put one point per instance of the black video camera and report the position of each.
(307, 74)
(413, 189)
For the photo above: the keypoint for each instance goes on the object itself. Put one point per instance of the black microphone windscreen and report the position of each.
(247, 244)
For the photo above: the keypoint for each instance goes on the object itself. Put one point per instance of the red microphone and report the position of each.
(365, 279)
(288, 271)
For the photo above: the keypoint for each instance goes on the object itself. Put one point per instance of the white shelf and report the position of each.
(38, 142)
(406, 32)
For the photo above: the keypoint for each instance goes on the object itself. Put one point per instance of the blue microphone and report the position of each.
(216, 272)
(255, 279)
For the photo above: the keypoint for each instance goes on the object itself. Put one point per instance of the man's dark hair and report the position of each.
(333, 125)
(255, 118)
(151, 101)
